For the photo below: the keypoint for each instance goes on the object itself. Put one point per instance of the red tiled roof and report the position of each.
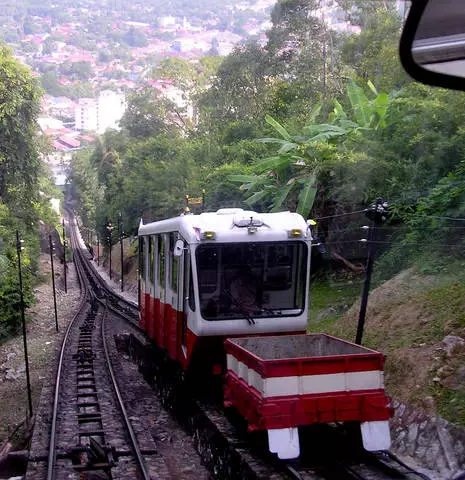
(70, 142)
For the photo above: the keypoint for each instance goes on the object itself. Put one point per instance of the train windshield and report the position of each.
(251, 280)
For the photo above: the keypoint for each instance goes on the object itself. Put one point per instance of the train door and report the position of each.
(187, 299)
(161, 275)
(173, 287)
(150, 285)
(184, 299)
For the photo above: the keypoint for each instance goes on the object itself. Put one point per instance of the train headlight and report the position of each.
(295, 232)
(208, 235)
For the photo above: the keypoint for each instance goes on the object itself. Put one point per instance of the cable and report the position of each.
(417, 244)
(341, 214)
(335, 243)
(393, 227)
(412, 214)
(366, 242)
(438, 217)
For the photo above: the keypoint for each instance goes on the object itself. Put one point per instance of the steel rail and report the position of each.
(132, 435)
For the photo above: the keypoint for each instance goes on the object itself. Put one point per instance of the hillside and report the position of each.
(418, 321)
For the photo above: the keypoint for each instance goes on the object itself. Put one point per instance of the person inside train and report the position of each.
(244, 291)
(240, 296)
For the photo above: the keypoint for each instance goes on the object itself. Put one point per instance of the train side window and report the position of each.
(141, 258)
(173, 263)
(161, 265)
(191, 288)
(151, 255)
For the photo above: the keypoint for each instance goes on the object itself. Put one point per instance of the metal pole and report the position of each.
(139, 270)
(98, 249)
(378, 213)
(23, 319)
(109, 241)
(53, 281)
(109, 228)
(64, 255)
(121, 247)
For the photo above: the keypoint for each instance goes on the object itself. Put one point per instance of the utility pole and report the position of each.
(109, 228)
(121, 247)
(64, 255)
(98, 249)
(378, 214)
(50, 244)
(23, 319)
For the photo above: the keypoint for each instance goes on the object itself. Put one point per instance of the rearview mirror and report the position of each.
(178, 248)
(432, 46)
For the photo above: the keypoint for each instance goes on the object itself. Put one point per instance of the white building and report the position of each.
(96, 115)
(85, 114)
(168, 21)
(181, 100)
(110, 109)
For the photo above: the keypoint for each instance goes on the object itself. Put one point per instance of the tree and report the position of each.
(77, 70)
(291, 177)
(135, 38)
(50, 84)
(22, 177)
(148, 115)
(20, 165)
(191, 77)
(374, 52)
(240, 88)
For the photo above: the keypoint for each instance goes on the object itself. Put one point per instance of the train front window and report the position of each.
(251, 280)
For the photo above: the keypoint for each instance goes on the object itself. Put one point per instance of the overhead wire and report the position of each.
(364, 241)
(438, 217)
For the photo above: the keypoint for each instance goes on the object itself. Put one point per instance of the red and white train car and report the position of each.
(189, 265)
(228, 274)
(281, 383)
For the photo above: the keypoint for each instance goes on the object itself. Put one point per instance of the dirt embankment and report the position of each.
(418, 321)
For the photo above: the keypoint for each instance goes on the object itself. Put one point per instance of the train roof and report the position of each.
(233, 224)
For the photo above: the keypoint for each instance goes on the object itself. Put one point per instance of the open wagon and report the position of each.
(279, 383)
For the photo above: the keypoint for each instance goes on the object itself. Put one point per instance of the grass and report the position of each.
(447, 304)
(450, 404)
(330, 300)
(406, 322)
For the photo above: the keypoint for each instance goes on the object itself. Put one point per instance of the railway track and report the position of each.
(376, 466)
(106, 441)
(91, 434)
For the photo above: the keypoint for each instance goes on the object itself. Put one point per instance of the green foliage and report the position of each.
(291, 177)
(135, 38)
(239, 91)
(77, 71)
(10, 316)
(147, 115)
(329, 140)
(19, 160)
(374, 52)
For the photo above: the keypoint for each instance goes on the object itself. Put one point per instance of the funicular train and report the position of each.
(226, 294)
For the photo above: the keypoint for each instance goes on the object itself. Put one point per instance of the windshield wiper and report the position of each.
(240, 309)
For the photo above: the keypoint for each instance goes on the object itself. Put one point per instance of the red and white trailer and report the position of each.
(279, 383)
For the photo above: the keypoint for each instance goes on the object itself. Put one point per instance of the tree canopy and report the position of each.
(312, 121)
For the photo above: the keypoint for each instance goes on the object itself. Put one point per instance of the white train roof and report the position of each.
(233, 225)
